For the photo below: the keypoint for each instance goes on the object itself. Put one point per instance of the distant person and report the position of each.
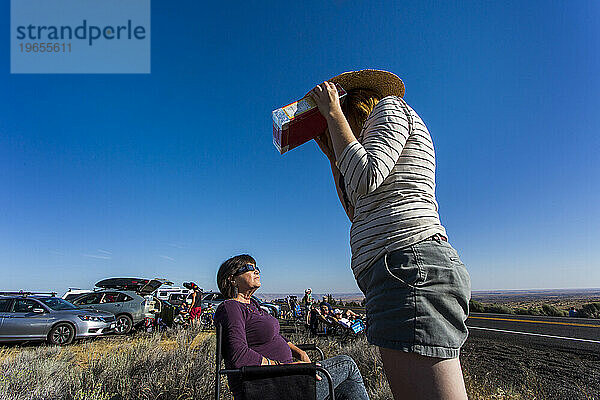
(196, 300)
(326, 304)
(351, 315)
(341, 319)
(183, 314)
(417, 290)
(572, 312)
(251, 336)
(196, 305)
(318, 316)
(307, 301)
(207, 314)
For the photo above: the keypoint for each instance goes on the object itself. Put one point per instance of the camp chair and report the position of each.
(327, 327)
(275, 382)
(353, 331)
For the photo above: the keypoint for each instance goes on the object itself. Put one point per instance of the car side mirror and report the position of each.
(39, 310)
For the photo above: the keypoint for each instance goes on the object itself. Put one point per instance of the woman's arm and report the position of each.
(328, 102)
(365, 165)
(298, 353)
(341, 193)
(325, 145)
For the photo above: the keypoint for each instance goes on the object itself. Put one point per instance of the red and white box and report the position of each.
(299, 122)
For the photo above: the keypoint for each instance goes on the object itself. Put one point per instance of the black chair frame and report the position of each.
(268, 371)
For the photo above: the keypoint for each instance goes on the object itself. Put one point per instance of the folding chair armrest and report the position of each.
(309, 347)
(271, 371)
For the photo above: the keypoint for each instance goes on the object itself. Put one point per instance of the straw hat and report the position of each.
(383, 82)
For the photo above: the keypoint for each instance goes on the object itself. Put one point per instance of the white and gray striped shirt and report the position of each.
(390, 180)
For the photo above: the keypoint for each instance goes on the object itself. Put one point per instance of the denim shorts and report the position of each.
(417, 300)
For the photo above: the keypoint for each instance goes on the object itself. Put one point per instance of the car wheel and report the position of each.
(61, 334)
(124, 324)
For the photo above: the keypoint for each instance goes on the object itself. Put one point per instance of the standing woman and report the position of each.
(416, 288)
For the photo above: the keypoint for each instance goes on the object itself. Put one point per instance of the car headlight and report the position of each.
(90, 318)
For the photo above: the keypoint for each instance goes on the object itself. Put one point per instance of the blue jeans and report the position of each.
(347, 380)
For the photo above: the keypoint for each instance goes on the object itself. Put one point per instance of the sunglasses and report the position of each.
(246, 268)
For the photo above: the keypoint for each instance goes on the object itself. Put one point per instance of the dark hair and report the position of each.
(227, 269)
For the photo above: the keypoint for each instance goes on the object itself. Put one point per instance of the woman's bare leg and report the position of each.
(413, 376)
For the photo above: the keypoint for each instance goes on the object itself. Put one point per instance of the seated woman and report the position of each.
(351, 315)
(251, 336)
(341, 318)
(319, 316)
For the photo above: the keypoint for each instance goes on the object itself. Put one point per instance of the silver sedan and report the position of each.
(49, 318)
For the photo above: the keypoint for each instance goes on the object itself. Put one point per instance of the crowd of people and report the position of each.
(321, 317)
(191, 310)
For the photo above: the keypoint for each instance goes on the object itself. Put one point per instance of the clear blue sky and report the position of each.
(170, 173)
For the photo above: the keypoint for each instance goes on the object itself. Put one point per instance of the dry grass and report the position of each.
(176, 365)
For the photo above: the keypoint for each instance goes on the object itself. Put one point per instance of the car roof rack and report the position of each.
(27, 293)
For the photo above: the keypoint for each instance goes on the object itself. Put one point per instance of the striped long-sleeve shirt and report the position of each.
(390, 180)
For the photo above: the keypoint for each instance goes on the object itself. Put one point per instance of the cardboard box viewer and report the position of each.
(299, 122)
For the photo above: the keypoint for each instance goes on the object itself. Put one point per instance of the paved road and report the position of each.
(553, 332)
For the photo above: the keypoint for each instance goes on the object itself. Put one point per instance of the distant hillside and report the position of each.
(549, 295)
(488, 296)
(316, 296)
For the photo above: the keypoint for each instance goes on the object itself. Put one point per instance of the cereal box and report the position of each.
(299, 122)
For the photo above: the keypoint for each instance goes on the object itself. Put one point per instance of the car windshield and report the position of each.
(57, 304)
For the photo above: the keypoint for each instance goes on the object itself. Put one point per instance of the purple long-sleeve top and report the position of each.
(249, 334)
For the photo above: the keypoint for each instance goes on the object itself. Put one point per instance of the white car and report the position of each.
(73, 293)
(164, 293)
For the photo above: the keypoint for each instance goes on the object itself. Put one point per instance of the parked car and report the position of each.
(131, 301)
(165, 293)
(178, 299)
(273, 309)
(213, 298)
(27, 316)
(128, 307)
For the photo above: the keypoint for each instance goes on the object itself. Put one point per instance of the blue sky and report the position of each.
(170, 173)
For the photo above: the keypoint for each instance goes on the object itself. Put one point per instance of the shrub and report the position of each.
(552, 311)
(498, 309)
(589, 310)
(528, 311)
(475, 306)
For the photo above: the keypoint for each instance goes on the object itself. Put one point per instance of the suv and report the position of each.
(128, 307)
(27, 316)
(129, 299)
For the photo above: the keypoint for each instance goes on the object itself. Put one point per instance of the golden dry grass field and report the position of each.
(179, 365)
